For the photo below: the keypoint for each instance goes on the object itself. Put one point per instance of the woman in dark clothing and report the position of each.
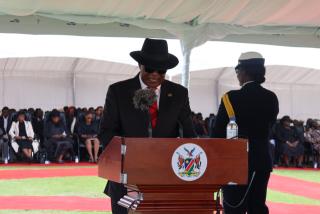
(22, 132)
(88, 132)
(291, 141)
(38, 124)
(199, 125)
(255, 111)
(98, 114)
(58, 141)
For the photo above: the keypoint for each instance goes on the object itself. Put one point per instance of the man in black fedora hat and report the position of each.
(167, 116)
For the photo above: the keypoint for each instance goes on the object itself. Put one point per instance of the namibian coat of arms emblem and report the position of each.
(189, 162)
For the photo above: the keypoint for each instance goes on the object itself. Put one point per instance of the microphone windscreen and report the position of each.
(143, 99)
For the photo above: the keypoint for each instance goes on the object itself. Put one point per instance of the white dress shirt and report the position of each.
(157, 91)
(246, 83)
(5, 123)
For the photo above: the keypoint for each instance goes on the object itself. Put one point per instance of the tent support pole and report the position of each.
(4, 83)
(185, 76)
(73, 83)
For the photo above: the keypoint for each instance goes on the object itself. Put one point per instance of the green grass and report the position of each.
(86, 186)
(313, 176)
(47, 212)
(43, 167)
(281, 197)
(91, 186)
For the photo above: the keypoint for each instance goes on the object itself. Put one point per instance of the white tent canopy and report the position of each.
(297, 89)
(53, 82)
(283, 22)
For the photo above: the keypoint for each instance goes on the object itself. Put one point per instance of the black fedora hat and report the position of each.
(154, 54)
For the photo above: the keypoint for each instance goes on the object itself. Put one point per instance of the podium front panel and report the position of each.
(170, 161)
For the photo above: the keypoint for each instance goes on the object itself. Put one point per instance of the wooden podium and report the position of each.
(174, 175)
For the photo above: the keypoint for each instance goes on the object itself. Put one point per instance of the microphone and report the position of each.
(143, 100)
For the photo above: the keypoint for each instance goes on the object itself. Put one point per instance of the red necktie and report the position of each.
(153, 110)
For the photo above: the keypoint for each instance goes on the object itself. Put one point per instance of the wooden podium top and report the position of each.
(156, 161)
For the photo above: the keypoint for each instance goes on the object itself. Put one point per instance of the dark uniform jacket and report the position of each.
(256, 110)
(120, 118)
(6, 131)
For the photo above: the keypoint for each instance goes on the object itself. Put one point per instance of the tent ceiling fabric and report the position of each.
(194, 22)
(238, 12)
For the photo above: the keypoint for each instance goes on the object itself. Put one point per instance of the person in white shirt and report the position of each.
(22, 132)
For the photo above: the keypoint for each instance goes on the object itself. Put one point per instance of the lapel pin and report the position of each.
(170, 95)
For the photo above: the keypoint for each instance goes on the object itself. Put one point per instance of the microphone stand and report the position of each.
(180, 129)
(149, 126)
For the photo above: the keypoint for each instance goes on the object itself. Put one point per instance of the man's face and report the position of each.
(286, 123)
(99, 111)
(315, 125)
(21, 118)
(5, 113)
(151, 77)
(56, 119)
(71, 111)
(89, 118)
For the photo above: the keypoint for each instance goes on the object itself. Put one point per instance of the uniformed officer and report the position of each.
(256, 110)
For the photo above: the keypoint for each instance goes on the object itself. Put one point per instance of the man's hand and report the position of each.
(57, 136)
(290, 144)
(295, 144)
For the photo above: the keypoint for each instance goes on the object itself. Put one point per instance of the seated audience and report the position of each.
(88, 132)
(288, 139)
(22, 132)
(199, 125)
(312, 136)
(59, 144)
(291, 142)
(98, 114)
(211, 121)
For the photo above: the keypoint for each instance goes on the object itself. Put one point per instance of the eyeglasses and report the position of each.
(151, 70)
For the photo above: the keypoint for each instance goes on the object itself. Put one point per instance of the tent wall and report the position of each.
(22, 92)
(53, 82)
(202, 96)
(297, 89)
